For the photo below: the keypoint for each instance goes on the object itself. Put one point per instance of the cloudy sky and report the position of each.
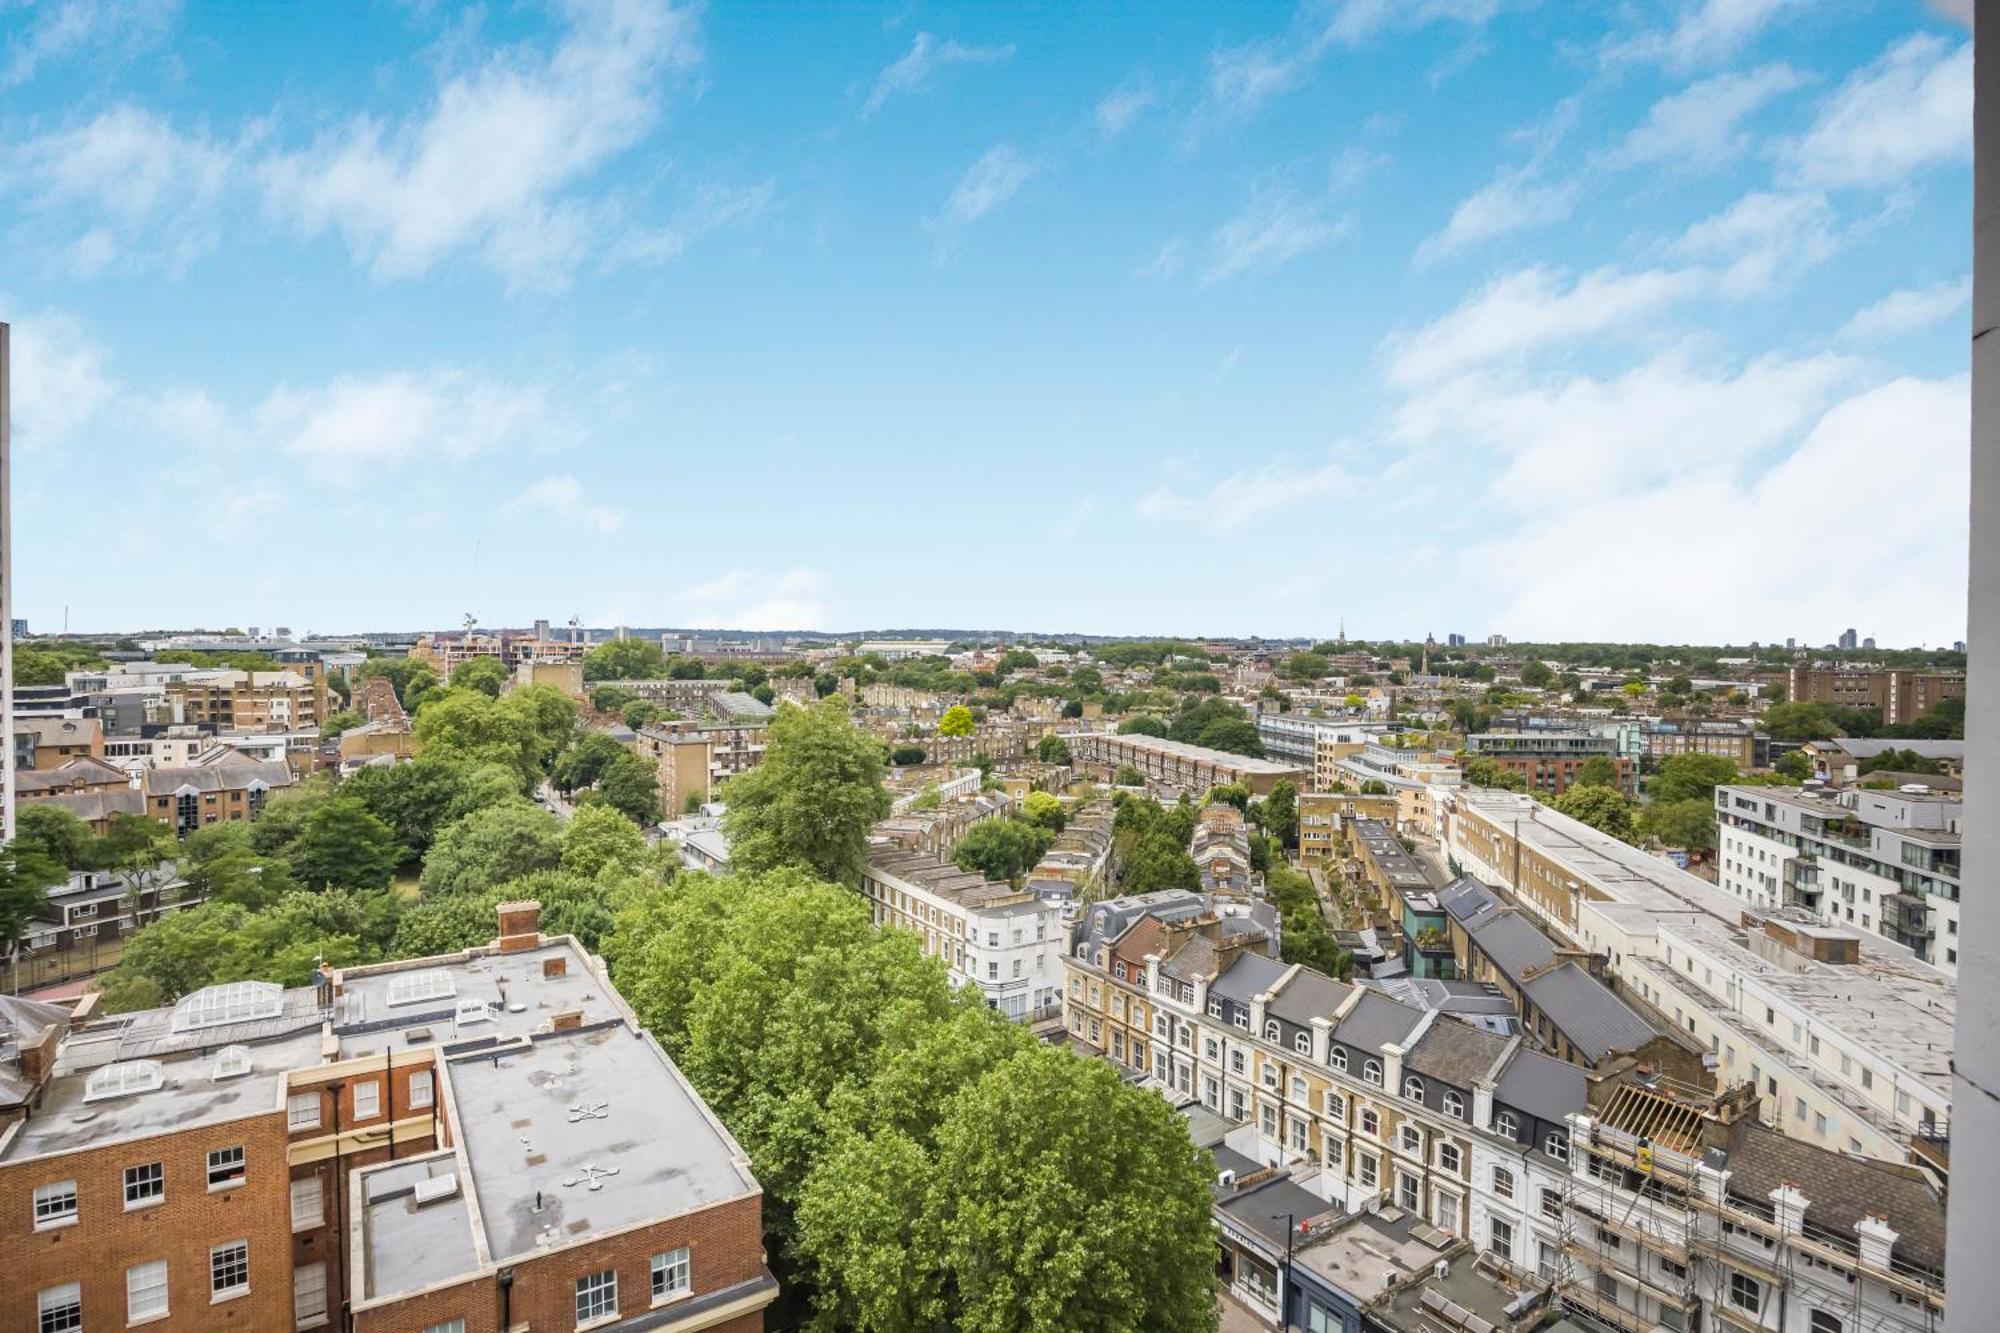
(1641, 319)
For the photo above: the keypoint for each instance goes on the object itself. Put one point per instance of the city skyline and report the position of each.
(1589, 327)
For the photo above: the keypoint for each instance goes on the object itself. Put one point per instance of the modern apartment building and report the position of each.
(1548, 760)
(1007, 942)
(1847, 1035)
(1882, 861)
(481, 1141)
(445, 651)
(251, 700)
(1898, 694)
(42, 743)
(1323, 815)
(1180, 766)
(1739, 742)
(1300, 739)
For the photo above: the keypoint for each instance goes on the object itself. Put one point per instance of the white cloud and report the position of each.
(190, 416)
(1512, 202)
(1707, 33)
(1911, 308)
(148, 192)
(1120, 107)
(1576, 438)
(795, 599)
(562, 498)
(1701, 125)
(59, 379)
(988, 183)
(1716, 554)
(1273, 229)
(1240, 497)
(1909, 110)
(1763, 239)
(1242, 78)
(61, 28)
(1167, 261)
(348, 429)
(1530, 310)
(714, 208)
(490, 165)
(926, 57)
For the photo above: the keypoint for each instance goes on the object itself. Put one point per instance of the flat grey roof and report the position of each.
(501, 980)
(1363, 1254)
(407, 1246)
(596, 1123)
(1198, 753)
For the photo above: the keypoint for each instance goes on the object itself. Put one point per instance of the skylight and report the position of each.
(122, 1080)
(231, 1062)
(232, 1002)
(430, 983)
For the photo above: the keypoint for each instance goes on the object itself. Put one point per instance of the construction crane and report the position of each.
(575, 629)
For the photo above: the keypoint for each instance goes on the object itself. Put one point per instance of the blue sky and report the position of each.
(1625, 320)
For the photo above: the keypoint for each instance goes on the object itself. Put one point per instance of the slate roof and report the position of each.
(1250, 975)
(1307, 996)
(1466, 899)
(1594, 1019)
(100, 804)
(1513, 943)
(1377, 1021)
(1840, 1190)
(230, 772)
(1543, 1086)
(1455, 1052)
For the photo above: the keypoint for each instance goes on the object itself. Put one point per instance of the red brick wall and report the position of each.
(725, 1243)
(106, 1239)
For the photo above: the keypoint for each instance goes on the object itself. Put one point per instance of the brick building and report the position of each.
(470, 1143)
(1899, 695)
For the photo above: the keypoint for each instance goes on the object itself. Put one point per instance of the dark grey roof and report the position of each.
(1455, 1052)
(1868, 749)
(1596, 1021)
(1840, 1190)
(1262, 1209)
(1513, 943)
(1250, 975)
(101, 803)
(1542, 1086)
(1307, 996)
(1377, 1021)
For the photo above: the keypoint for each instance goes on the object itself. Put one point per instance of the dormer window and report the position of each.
(1271, 1030)
(1413, 1089)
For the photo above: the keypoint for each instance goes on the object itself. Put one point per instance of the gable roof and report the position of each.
(1594, 1019)
(1455, 1052)
(1377, 1021)
(1840, 1190)
(1543, 1086)
(1249, 976)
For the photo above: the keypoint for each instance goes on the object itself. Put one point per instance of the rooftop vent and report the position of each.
(436, 1188)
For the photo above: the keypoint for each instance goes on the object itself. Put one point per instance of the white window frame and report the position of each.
(308, 1202)
(62, 1302)
(146, 1284)
(597, 1298)
(677, 1268)
(302, 1111)
(220, 1259)
(157, 1179)
(423, 1089)
(367, 1098)
(221, 1176)
(448, 1326)
(305, 1314)
(1413, 1090)
(49, 1201)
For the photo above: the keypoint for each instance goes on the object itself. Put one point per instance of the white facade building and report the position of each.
(1006, 942)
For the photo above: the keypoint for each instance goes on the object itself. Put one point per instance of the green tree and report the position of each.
(957, 721)
(625, 659)
(904, 755)
(417, 798)
(1603, 808)
(641, 713)
(813, 800)
(220, 865)
(611, 698)
(26, 874)
(1536, 675)
(1798, 722)
(1142, 724)
(1794, 765)
(488, 675)
(141, 850)
(1128, 776)
(54, 832)
(1596, 771)
(341, 846)
(491, 846)
(1684, 777)
(1483, 771)
(597, 837)
(412, 680)
(1045, 809)
(631, 786)
(345, 720)
(1278, 813)
(1052, 749)
(1304, 667)
(1304, 936)
(1218, 725)
(1002, 849)
(1688, 824)
(1159, 861)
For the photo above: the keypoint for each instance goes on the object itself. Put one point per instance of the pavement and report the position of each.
(1237, 1318)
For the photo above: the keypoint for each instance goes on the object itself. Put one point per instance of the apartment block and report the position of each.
(42, 743)
(251, 700)
(1548, 760)
(1179, 766)
(1739, 742)
(220, 786)
(1882, 861)
(1301, 739)
(478, 1142)
(1324, 816)
(1898, 695)
(1220, 847)
(1007, 942)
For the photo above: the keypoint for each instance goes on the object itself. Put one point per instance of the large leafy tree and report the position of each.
(631, 786)
(957, 721)
(491, 846)
(1279, 813)
(597, 837)
(1217, 724)
(341, 846)
(55, 832)
(625, 659)
(488, 675)
(1686, 777)
(1603, 808)
(814, 798)
(418, 798)
(1596, 771)
(1002, 849)
(1689, 824)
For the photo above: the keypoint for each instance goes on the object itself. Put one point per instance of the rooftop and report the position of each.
(1197, 753)
(1364, 1253)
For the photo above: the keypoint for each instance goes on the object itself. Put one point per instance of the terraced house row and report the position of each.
(1368, 1104)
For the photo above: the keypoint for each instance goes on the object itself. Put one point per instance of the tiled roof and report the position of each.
(1840, 1190)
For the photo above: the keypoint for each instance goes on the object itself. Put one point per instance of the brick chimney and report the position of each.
(566, 1020)
(520, 925)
